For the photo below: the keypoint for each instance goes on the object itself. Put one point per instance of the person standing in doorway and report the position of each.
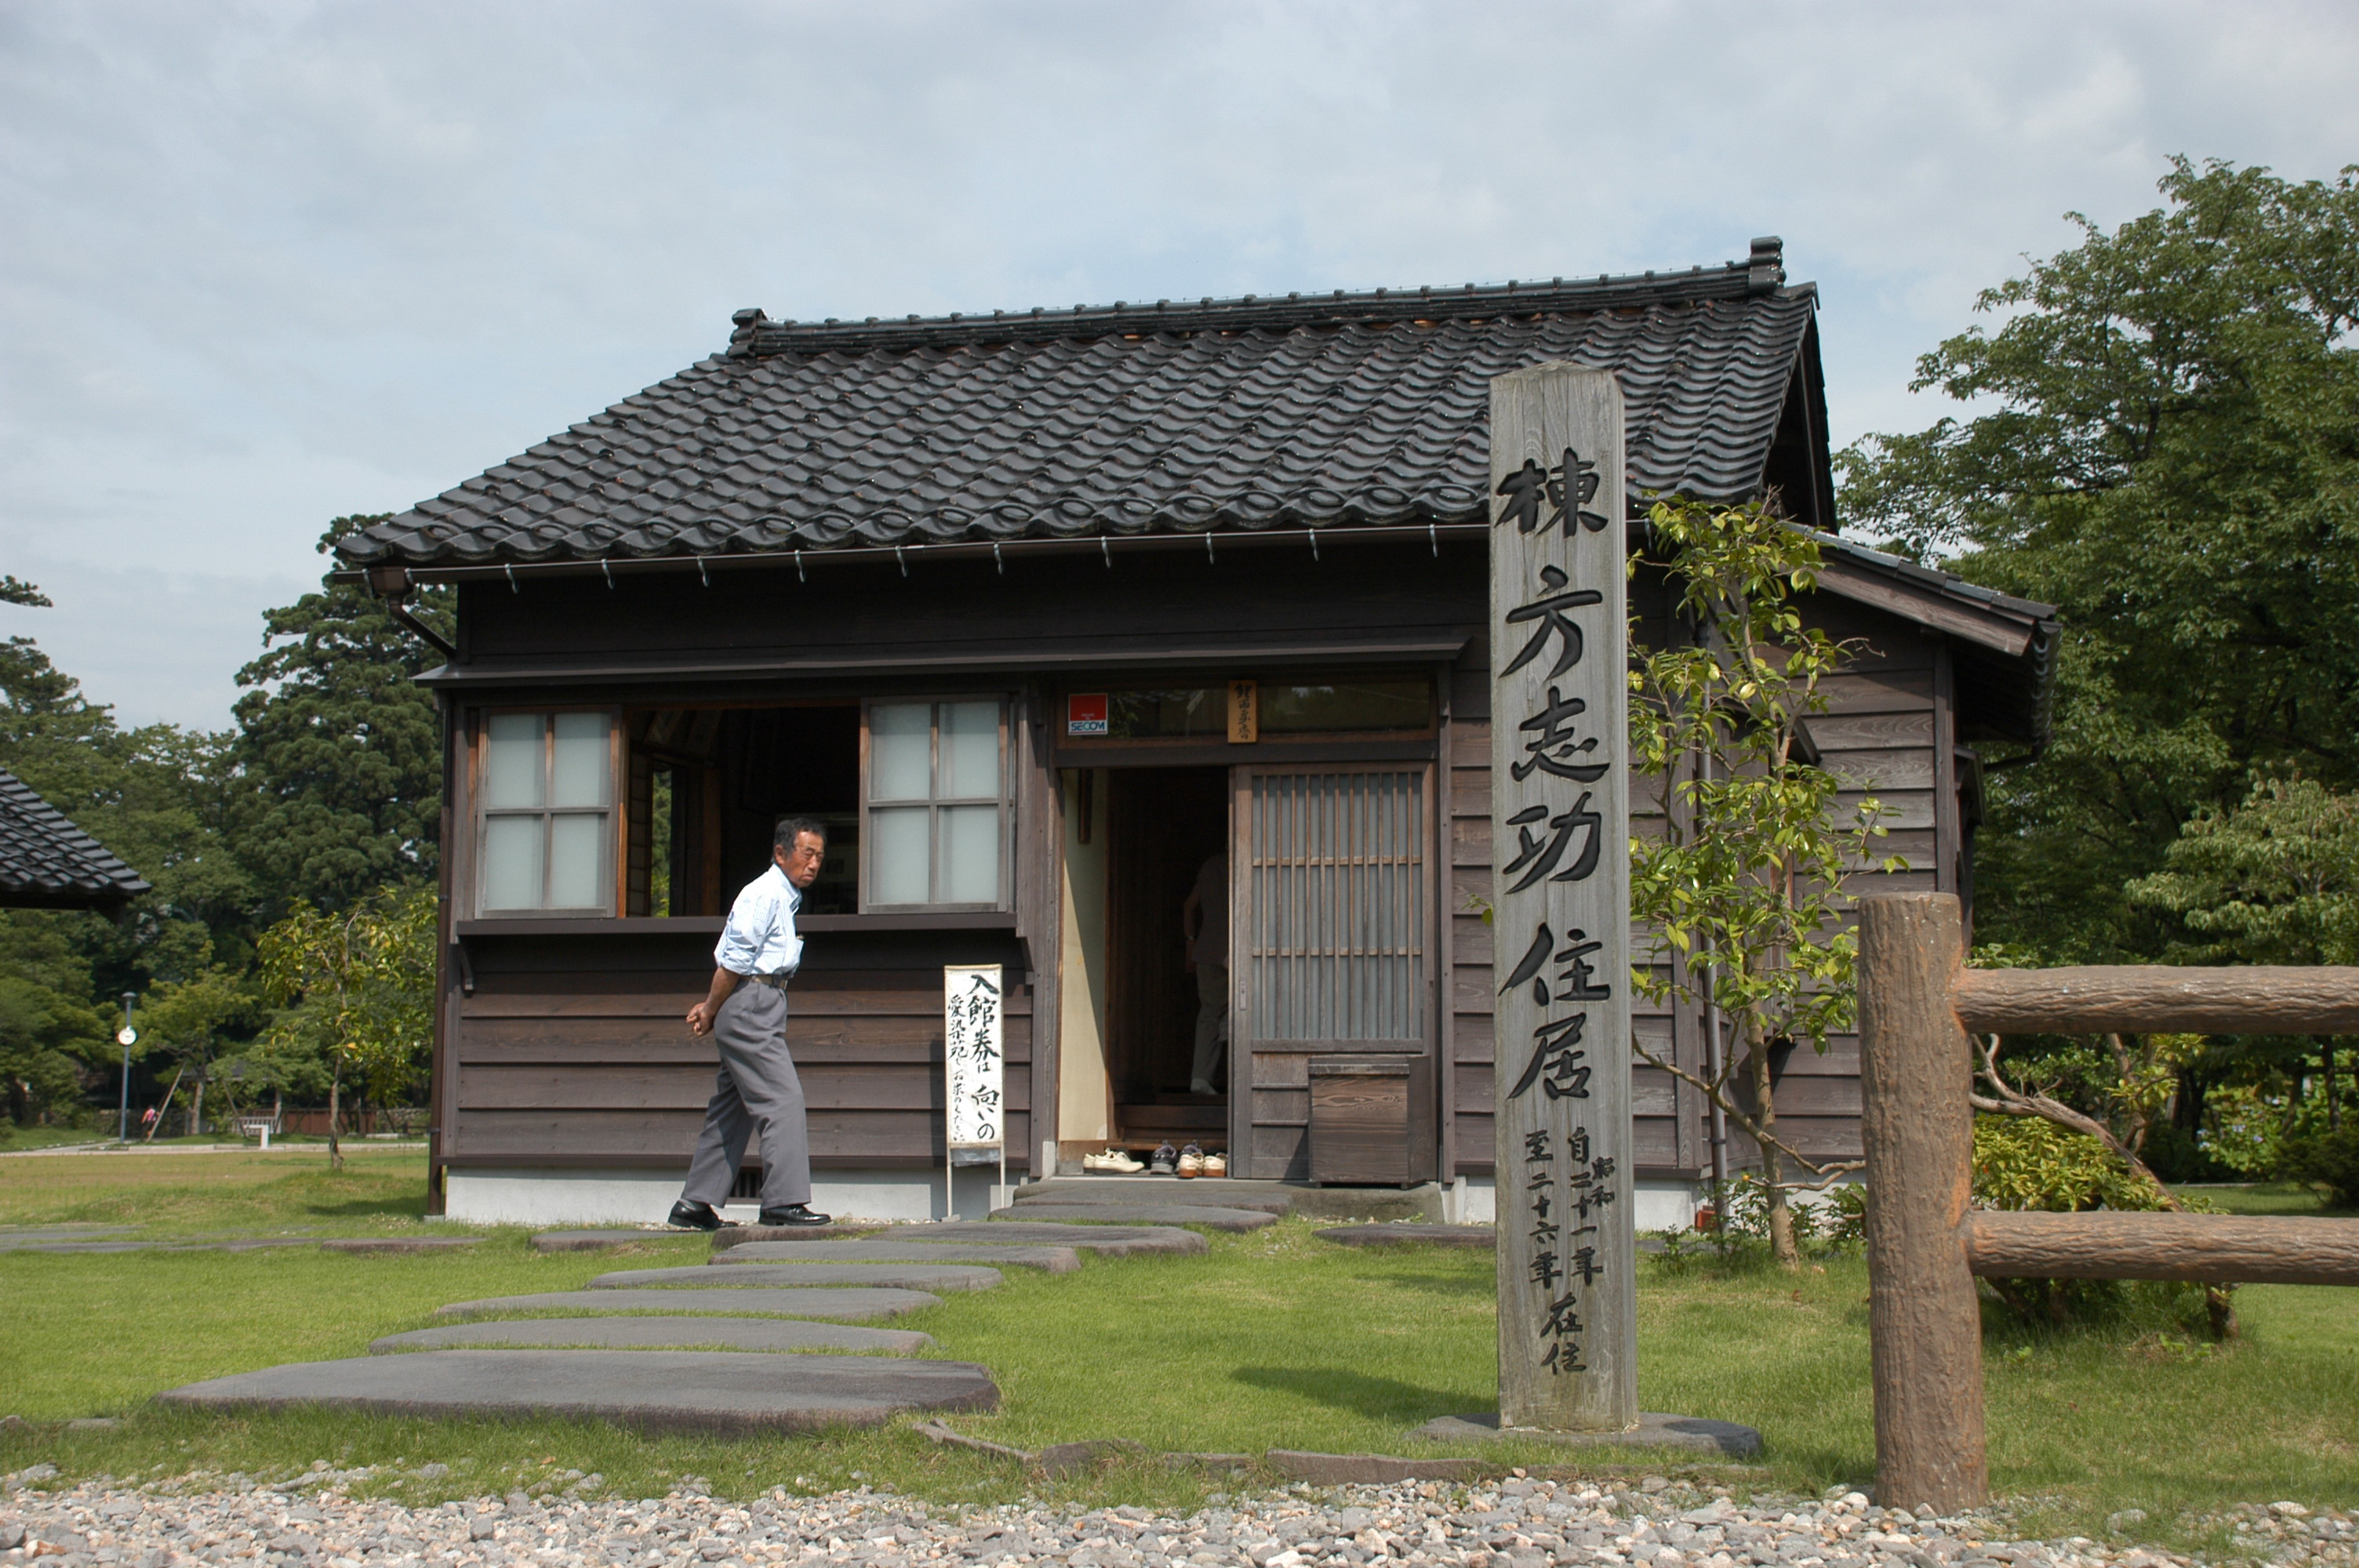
(745, 1014)
(1204, 922)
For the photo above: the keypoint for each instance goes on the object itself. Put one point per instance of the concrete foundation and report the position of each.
(1659, 1205)
(503, 1196)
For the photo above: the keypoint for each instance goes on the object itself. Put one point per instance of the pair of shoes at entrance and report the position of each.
(1193, 1162)
(1114, 1162)
(687, 1216)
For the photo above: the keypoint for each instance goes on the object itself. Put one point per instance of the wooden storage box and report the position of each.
(1371, 1120)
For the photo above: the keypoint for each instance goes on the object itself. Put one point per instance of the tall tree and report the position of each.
(341, 751)
(2170, 455)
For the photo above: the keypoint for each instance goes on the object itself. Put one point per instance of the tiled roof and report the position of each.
(1327, 410)
(46, 862)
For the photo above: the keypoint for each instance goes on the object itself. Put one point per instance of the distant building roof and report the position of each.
(1326, 410)
(46, 862)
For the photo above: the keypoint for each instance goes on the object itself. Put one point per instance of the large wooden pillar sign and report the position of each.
(1560, 891)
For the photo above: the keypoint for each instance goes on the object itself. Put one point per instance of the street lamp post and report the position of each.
(126, 1037)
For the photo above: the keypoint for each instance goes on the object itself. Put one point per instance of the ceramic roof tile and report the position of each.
(1329, 410)
(47, 863)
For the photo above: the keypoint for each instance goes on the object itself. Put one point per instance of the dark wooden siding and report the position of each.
(571, 1050)
(1878, 732)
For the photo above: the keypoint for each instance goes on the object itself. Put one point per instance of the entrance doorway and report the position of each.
(1162, 826)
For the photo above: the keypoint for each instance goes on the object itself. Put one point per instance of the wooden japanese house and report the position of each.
(1044, 609)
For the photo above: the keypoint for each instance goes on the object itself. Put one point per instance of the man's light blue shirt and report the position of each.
(760, 938)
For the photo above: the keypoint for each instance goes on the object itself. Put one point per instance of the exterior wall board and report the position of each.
(1878, 731)
(577, 1051)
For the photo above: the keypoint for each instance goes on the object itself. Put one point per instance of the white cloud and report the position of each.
(268, 262)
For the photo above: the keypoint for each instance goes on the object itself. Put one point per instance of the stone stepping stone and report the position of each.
(399, 1243)
(599, 1240)
(1138, 1214)
(1480, 1235)
(1198, 1192)
(896, 1276)
(1052, 1259)
(1107, 1240)
(1655, 1430)
(659, 1334)
(717, 1391)
(249, 1245)
(824, 1301)
(735, 1235)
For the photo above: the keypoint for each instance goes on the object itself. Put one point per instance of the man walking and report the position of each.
(745, 1012)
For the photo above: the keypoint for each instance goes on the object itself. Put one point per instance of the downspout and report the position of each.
(392, 586)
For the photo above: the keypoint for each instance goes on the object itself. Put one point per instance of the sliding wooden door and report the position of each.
(1331, 898)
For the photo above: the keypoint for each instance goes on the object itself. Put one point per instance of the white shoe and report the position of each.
(1114, 1162)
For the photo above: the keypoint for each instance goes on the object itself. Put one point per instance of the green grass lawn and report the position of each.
(14, 1139)
(1273, 1340)
(2269, 1198)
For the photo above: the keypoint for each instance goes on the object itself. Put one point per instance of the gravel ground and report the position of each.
(311, 1522)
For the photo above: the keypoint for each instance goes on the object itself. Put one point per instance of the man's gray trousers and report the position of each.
(757, 1092)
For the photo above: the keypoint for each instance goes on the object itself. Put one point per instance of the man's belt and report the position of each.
(777, 980)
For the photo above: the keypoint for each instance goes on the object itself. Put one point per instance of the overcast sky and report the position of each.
(264, 263)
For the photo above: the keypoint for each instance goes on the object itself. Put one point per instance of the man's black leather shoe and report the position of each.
(687, 1216)
(793, 1213)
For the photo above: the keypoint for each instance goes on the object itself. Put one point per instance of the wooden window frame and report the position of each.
(1005, 802)
(1098, 748)
(613, 869)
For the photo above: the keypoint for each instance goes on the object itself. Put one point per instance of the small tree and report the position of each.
(1746, 880)
(358, 988)
(186, 1021)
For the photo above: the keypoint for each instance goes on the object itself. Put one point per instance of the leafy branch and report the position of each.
(1742, 884)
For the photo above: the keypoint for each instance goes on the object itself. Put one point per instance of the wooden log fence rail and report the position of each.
(1918, 1004)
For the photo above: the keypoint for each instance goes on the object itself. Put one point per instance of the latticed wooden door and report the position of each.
(1332, 937)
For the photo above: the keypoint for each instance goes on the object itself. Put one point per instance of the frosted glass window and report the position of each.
(534, 857)
(512, 761)
(970, 765)
(900, 865)
(577, 766)
(900, 751)
(512, 863)
(970, 854)
(946, 846)
(575, 862)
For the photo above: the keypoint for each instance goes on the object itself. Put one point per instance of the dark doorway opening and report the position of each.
(1162, 826)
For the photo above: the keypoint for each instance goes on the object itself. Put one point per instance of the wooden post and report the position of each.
(1924, 1323)
(1560, 1042)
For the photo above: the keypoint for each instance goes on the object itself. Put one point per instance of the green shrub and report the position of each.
(2329, 1158)
(2023, 1163)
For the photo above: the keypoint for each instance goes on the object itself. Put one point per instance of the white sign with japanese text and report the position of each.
(972, 1064)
